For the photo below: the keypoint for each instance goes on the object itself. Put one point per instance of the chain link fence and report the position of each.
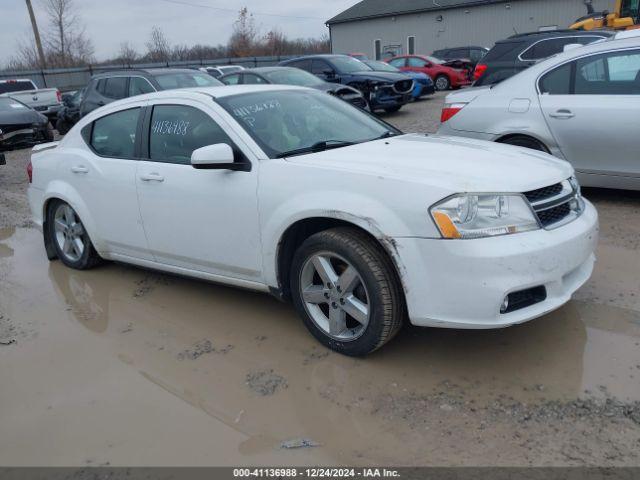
(67, 79)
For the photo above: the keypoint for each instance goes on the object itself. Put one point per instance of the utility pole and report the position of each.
(36, 34)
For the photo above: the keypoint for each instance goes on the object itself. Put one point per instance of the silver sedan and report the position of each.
(582, 105)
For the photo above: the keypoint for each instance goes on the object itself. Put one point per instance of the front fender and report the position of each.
(365, 213)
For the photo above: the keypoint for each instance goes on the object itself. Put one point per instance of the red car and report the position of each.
(444, 76)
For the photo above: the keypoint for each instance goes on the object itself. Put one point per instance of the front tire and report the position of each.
(346, 290)
(442, 82)
(69, 237)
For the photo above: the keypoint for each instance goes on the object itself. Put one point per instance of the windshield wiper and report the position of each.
(387, 134)
(316, 147)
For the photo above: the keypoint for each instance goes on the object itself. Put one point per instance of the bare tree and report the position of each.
(158, 48)
(127, 53)
(67, 42)
(244, 36)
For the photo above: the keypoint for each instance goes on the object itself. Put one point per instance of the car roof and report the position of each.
(144, 71)
(267, 69)
(535, 36)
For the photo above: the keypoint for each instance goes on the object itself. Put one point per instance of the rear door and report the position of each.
(592, 108)
(201, 220)
(104, 176)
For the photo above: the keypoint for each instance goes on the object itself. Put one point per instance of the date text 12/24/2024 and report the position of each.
(285, 473)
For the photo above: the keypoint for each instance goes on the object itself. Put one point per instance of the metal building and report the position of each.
(392, 27)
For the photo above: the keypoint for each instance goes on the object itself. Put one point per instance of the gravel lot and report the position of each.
(122, 366)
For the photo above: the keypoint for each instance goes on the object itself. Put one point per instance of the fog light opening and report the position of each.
(505, 304)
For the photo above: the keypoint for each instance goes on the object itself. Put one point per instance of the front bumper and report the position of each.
(462, 283)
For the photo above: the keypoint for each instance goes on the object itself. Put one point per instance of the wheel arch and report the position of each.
(506, 136)
(296, 233)
(63, 192)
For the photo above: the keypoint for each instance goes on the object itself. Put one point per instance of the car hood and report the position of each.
(19, 116)
(453, 163)
(380, 76)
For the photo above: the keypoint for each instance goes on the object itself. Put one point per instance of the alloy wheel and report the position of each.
(335, 296)
(69, 233)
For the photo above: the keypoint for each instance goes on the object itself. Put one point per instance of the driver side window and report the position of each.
(417, 62)
(177, 130)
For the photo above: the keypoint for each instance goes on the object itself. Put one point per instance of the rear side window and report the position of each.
(177, 130)
(115, 87)
(503, 51)
(139, 86)
(115, 135)
(558, 81)
(16, 86)
(553, 46)
(303, 64)
(231, 79)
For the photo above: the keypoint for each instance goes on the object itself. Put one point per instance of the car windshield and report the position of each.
(10, 105)
(346, 64)
(381, 66)
(170, 81)
(293, 76)
(290, 122)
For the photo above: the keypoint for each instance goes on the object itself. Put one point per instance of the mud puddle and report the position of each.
(132, 367)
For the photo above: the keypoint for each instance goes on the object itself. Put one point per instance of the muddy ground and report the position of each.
(122, 366)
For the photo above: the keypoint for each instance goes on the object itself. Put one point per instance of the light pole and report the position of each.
(36, 34)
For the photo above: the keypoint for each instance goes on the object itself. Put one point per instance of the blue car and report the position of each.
(423, 83)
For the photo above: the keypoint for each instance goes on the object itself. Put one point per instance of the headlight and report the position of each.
(484, 215)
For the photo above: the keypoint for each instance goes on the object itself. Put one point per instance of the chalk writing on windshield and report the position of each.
(170, 127)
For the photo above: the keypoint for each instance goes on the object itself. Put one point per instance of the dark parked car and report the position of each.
(519, 52)
(111, 86)
(293, 76)
(69, 114)
(21, 126)
(383, 90)
(472, 53)
(422, 83)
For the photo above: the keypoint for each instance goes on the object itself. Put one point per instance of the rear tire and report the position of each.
(442, 82)
(346, 290)
(69, 237)
(526, 142)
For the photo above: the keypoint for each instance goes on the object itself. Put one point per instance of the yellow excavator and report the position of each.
(625, 16)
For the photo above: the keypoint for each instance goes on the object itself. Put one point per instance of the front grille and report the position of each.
(554, 214)
(543, 193)
(556, 204)
(403, 86)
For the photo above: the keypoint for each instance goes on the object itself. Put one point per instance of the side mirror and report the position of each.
(3, 161)
(217, 157)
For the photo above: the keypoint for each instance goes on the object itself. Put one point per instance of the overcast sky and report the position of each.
(110, 22)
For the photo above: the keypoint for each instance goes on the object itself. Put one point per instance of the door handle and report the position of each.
(79, 169)
(562, 114)
(151, 177)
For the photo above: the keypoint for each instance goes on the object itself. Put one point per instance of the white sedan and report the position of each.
(291, 191)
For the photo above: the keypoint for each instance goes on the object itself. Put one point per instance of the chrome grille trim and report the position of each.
(555, 211)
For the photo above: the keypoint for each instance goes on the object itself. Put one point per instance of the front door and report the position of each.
(203, 220)
(591, 106)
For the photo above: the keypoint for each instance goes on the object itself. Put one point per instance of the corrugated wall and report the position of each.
(482, 25)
